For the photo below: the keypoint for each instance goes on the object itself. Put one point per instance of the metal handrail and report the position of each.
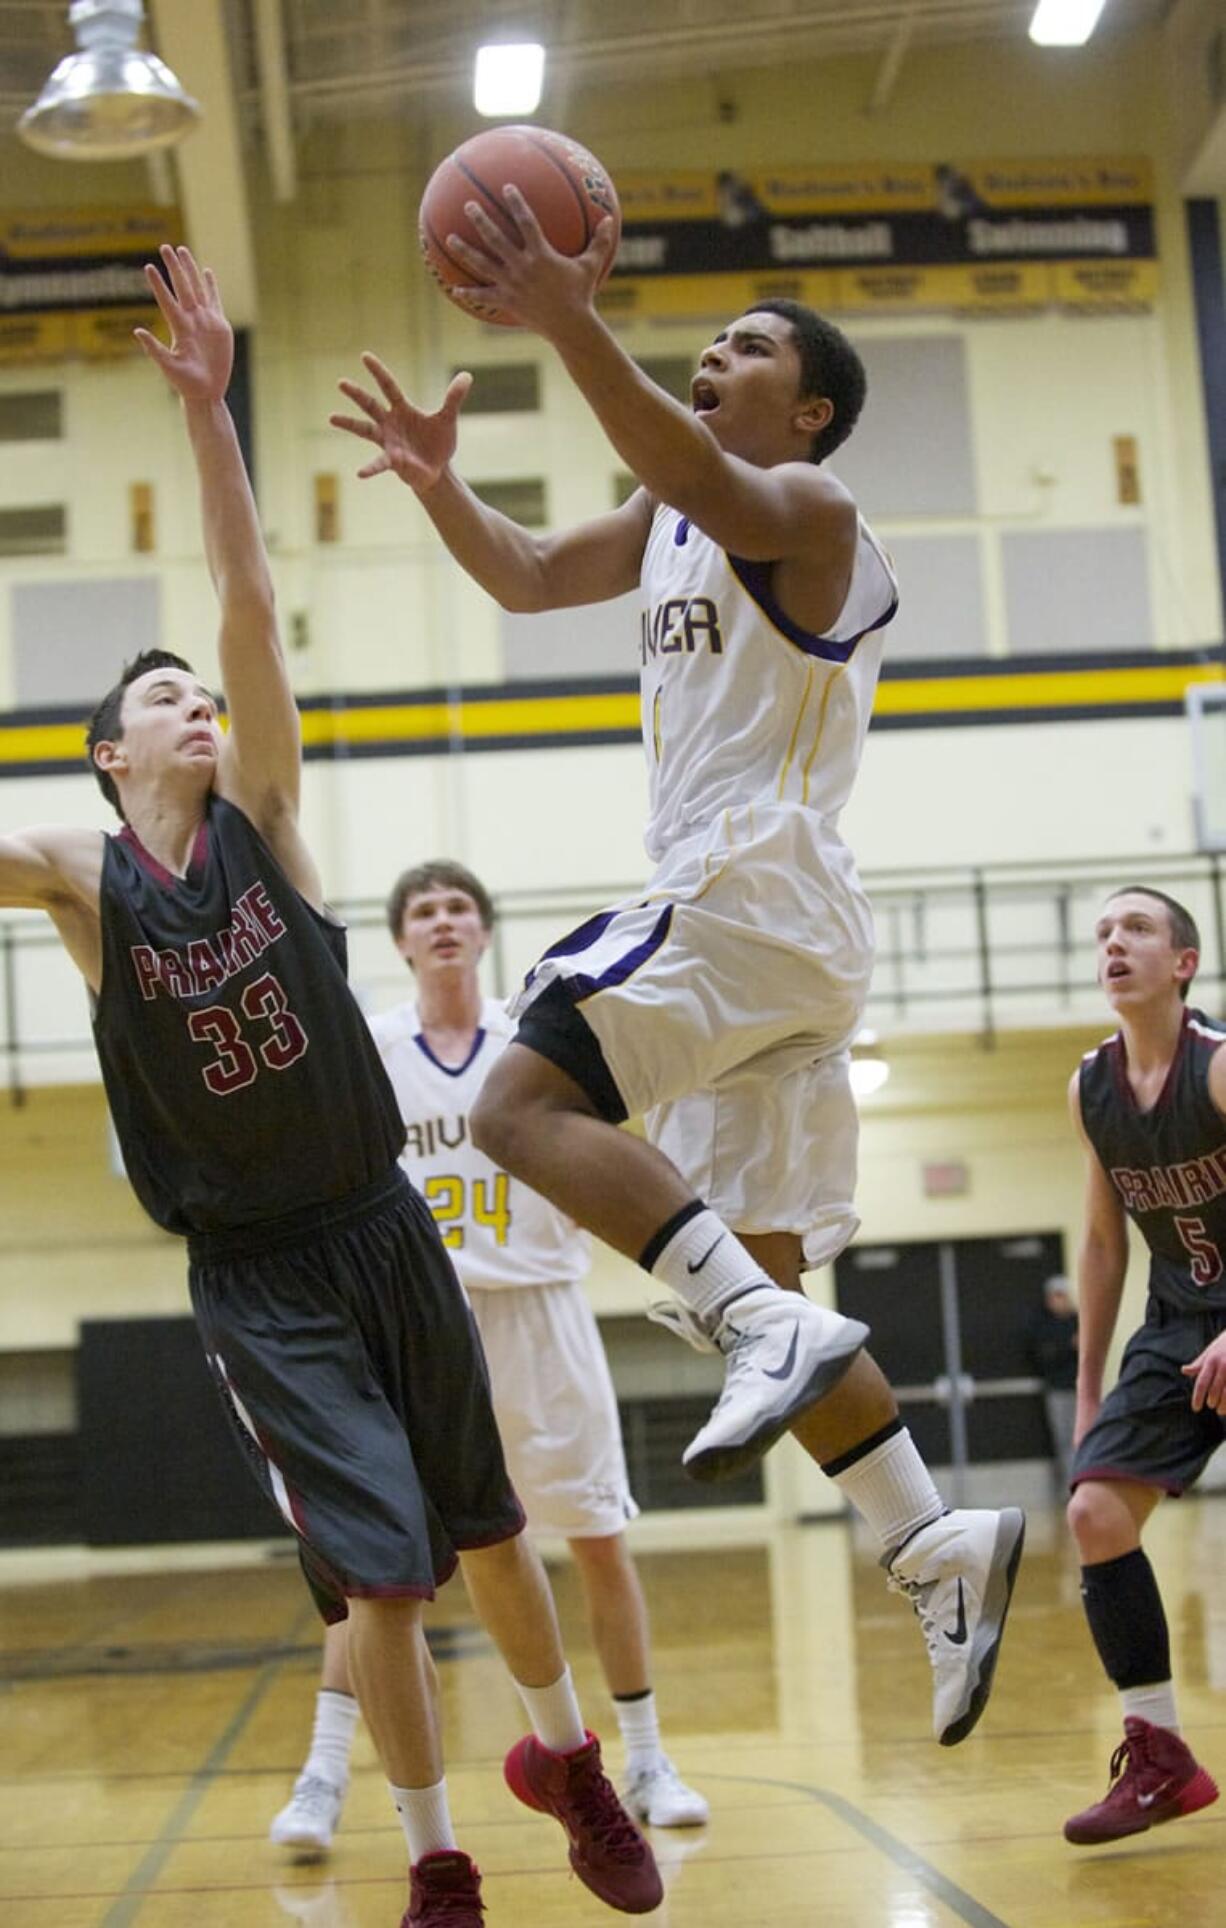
(986, 971)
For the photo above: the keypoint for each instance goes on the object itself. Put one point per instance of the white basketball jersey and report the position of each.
(740, 705)
(497, 1230)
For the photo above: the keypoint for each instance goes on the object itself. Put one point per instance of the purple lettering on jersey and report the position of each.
(145, 964)
(444, 1135)
(206, 967)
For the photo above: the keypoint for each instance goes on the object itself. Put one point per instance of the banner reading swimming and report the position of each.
(996, 237)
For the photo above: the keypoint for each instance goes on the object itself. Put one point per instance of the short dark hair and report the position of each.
(829, 366)
(441, 873)
(106, 723)
(1182, 924)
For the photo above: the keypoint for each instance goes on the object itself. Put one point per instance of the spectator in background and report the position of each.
(1054, 1348)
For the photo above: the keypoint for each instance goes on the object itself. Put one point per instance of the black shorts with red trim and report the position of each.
(1146, 1429)
(349, 1361)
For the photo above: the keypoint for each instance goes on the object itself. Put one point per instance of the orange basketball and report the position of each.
(566, 187)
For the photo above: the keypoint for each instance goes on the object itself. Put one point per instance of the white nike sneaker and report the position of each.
(784, 1354)
(657, 1797)
(958, 1574)
(309, 1819)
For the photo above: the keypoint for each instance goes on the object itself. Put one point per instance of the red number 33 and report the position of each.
(235, 1065)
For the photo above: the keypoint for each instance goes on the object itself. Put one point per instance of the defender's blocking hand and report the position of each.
(200, 358)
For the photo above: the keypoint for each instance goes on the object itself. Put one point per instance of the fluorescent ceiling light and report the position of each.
(1064, 23)
(508, 78)
(110, 100)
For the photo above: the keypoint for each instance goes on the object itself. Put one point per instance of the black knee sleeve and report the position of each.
(1127, 1621)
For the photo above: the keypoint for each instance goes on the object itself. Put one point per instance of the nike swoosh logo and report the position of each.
(958, 1637)
(1147, 1800)
(783, 1371)
(706, 1255)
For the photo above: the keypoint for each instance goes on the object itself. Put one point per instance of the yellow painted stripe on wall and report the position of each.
(474, 719)
(43, 743)
(543, 716)
(1041, 690)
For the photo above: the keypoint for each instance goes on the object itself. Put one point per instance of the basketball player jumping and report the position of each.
(330, 1313)
(522, 1264)
(720, 1003)
(1150, 1108)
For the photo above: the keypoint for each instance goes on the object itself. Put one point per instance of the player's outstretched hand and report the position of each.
(411, 444)
(201, 354)
(1208, 1375)
(526, 276)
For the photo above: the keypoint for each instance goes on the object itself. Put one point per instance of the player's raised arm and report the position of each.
(1102, 1262)
(767, 509)
(520, 570)
(57, 870)
(260, 761)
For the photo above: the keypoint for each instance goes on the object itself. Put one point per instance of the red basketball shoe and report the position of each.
(444, 1892)
(607, 1852)
(1154, 1778)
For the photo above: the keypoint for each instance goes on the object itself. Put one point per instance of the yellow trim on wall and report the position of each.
(1041, 690)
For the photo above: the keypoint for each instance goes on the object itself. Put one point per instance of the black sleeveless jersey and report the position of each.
(242, 1079)
(1168, 1165)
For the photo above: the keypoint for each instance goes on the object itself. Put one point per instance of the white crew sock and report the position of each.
(554, 1713)
(336, 1717)
(891, 1488)
(640, 1730)
(705, 1265)
(425, 1818)
(1154, 1702)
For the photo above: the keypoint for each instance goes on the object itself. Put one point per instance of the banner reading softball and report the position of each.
(992, 237)
(72, 280)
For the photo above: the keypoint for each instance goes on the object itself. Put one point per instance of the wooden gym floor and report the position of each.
(151, 1724)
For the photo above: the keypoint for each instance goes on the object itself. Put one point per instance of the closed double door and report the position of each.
(953, 1330)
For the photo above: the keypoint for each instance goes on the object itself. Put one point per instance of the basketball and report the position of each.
(567, 189)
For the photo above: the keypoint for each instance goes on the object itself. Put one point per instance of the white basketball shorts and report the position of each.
(555, 1407)
(724, 1001)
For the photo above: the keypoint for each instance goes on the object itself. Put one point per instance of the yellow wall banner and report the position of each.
(72, 279)
(995, 237)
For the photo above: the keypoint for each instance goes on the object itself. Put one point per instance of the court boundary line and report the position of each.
(939, 1885)
(135, 1892)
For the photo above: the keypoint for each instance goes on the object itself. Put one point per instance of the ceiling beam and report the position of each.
(275, 117)
(209, 162)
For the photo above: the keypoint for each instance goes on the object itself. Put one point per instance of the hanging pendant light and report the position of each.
(110, 101)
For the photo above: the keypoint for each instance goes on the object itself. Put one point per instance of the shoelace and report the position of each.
(919, 1593)
(316, 1795)
(1129, 1754)
(595, 1803)
(451, 1902)
(682, 1323)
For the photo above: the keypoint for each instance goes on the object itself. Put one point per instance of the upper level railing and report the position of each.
(973, 949)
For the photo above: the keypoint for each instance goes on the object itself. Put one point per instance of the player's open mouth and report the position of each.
(1118, 970)
(703, 397)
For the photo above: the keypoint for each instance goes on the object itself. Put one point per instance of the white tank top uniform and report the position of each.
(522, 1263)
(725, 996)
